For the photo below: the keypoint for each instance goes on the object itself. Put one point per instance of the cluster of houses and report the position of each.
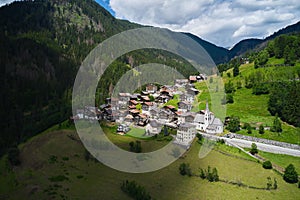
(150, 109)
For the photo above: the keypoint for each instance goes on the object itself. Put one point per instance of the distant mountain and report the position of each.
(218, 54)
(222, 55)
(295, 28)
(251, 44)
(244, 46)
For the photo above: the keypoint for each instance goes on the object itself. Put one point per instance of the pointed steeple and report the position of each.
(206, 115)
(207, 108)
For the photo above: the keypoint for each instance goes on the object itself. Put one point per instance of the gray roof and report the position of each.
(187, 125)
(155, 109)
(199, 118)
(217, 122)
(155, 123)
(185, 114)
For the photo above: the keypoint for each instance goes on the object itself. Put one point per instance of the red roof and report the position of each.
(178, 113)
(143, 116)
(193, 78)
(170, 107)
(148, 103)
(146, 98)
(134, 111)
(134, 102)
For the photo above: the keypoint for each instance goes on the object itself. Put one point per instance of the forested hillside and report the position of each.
(276, 73)
(42, 45)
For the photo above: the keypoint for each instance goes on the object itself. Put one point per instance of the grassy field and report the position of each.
(53, 166)
(252, 108)
(282, 160)
(233, 151)
(137, 132)
(148, 144)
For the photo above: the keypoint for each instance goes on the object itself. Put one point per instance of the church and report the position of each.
(206, 121)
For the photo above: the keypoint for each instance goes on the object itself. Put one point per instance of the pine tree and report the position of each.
(290, 174)
(253, 149)
(261, 129)
(276, 125)
(236, 71)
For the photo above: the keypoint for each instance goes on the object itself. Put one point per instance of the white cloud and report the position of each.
(221, 22)
(4, 2)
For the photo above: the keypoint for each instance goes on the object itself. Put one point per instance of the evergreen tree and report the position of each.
(276, 125)
(290, 174)
(229, 98)
(234, 124)
(253, 149)
(236, 71)
(184, 169)
(202, 174)
(275, 186)
(269, 183)
(229, 87)
(249, 129)
(267, 165)
(215, 175)
(239, 84)
(261, 129)
(289, 56)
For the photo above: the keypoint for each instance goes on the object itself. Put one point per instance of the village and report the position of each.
(156, 107)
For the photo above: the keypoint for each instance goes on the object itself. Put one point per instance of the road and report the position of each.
(260, 146)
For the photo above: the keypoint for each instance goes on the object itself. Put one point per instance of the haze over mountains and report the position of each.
(42, 45)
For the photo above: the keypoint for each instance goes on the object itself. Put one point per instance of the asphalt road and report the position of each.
(264, 147)
(260, 146)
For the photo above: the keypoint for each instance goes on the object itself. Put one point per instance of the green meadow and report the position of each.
(253, 109)
(54, 167)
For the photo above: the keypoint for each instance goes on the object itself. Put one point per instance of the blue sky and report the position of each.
(105, 4)
(221, 22)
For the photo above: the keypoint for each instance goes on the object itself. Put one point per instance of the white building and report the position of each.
(185, 134)
(207, 122)
(153, 127)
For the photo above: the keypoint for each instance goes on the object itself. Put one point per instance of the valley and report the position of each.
(255, 145)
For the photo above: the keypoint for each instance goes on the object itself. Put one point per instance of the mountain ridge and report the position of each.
(254, 43)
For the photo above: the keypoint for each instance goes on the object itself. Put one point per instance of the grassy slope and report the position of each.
(253, 109)
(282, 160)
(95, 181)
(147, 144)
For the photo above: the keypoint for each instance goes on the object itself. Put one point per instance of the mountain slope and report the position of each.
(218, 54)
(42, 45)
(251, 44)
(244, 46)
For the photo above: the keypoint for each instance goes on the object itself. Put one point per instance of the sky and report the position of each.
(221, 22)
